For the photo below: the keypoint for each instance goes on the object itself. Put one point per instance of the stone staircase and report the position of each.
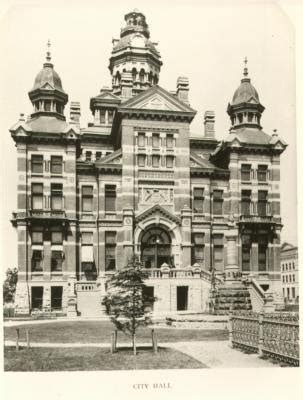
(233, 297)
(89, 299)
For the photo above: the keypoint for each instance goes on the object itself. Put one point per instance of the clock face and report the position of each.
(138, 41)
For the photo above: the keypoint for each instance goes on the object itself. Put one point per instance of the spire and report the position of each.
(245, 73)
(48, 54)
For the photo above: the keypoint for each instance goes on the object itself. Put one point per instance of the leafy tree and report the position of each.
(126, 299)
(9, 285)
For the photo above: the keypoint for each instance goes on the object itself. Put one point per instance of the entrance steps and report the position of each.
(231, 297)
(89, 297)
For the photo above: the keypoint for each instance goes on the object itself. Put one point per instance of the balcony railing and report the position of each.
(54, 214)
(256, 218)
(176, 273)
(86, 286)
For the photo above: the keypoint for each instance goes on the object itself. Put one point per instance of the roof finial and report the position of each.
(48, 54)
(245, 67)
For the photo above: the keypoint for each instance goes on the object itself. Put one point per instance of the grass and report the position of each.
(94, 359)
(100, 332)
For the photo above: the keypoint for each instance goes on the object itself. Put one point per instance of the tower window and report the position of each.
(37, 164)
(246, 252)
(141, 160)
(110, 198)
(155, 161)
(262, 173)
(88, 156)
(262, 202)
(98, 155)
(156, 140)
(110, 251)
(197, 254)
(87, 198)
(56, 196)
(245, 202)
(110, 116)
(56, 164)
(37, 196)
(170, 141)
(59, 108)
(102, 116)
(198, 199)
(245, 172)
(141, 139)
(169, 161)
(218, 202)
(218, 252)
(262, 252)
(47, 105)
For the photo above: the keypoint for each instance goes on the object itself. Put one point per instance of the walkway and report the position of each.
(216, 354)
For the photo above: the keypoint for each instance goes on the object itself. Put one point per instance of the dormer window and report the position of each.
(47, 105)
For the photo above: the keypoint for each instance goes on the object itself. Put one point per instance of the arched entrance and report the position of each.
(156, 248)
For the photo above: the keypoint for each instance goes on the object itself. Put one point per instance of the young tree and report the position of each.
(9, 285)
(126, 299)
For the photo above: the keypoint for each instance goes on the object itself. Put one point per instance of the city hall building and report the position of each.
(198, 212)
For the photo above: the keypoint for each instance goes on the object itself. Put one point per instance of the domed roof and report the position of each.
(245, 92)
(48, 77)
(136, 40)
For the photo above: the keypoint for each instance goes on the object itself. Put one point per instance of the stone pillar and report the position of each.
(232, 267)
(128, 216)
(71, 309)
(186, 216)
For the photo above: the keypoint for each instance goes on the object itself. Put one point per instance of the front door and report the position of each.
(155, 248)
(182, 298)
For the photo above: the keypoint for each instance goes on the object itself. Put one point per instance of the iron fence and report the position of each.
(275, 335)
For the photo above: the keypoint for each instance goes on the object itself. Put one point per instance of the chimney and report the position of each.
(126, 85)
(75, 113)
(209, 124)
(182, 89)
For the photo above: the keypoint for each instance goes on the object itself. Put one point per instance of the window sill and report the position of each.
(56, 175)
(246, 182)
(37, 174)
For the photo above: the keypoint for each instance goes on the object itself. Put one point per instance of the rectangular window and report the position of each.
(87, 198)
(156, 140)
(102, 116)
(246, 252)
(218, 252)
(86, 238)
(110, 198)
(37, 258)
(56, 297)
(88, 156)
(110, 251)
(218, 202)
(56, 196)
(245, 202)
(141, 139)
(141, 160)
(169, 141)
(245, 172)
(37, 297)
(262, 203)
(37, 164)
(169, 161)
(155, 161)
(56, 236)
(56, 261)
(37, 196)
(262, 252)
(110, 116)
(262, 173)
(293, 292)
(37, 236)
(197, 255)
(56, 164)
(47, 105)
(98, 155)
(198, 199)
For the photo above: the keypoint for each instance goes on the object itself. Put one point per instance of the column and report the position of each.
(128, 216)
(186, 216)
(232, 267)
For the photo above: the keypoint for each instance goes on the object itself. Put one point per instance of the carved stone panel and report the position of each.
(149, 195)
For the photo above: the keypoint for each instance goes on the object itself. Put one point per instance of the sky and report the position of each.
(205, 41)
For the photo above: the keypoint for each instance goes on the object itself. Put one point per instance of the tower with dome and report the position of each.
(202, 215)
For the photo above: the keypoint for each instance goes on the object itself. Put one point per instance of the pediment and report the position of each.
(107, 96)
(70, 132)
(198, 161)
(47, 86)
(157, 99)
(20, 129)
(157, 211)
(252, 100)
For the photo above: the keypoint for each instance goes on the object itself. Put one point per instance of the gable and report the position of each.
(158, 99)
(47, 86)
(113, 158)
(157, 211)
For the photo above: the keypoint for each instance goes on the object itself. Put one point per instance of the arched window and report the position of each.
(141, 76)
(156, 248)
(134, 74)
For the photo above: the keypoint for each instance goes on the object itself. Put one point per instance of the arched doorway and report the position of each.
(156, 248)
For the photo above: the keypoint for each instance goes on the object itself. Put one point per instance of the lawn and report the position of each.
(94, 359)
(100, 332)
